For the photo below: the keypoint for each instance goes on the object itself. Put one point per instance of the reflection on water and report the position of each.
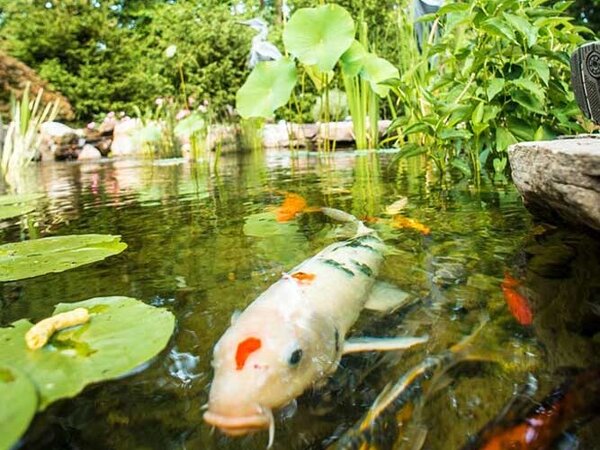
(188, 252)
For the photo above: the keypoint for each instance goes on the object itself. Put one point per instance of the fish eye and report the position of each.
(295, 357)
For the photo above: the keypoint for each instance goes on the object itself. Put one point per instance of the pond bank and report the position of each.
(560, 179)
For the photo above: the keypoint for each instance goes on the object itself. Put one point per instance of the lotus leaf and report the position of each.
(352, 60)
(319, 36)
(122, 334)
(193, 123)
(376, 70)
(17, 205)
(268, 87)
(19, 404)
(55, 254)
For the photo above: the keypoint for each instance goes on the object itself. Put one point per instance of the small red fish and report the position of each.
(291, 206)
(304, 277)
(518, 305)
(244, 349)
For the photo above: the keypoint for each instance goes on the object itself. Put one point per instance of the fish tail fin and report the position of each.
(342, 216)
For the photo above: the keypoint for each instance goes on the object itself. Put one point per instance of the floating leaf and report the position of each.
(319, 36)
(376, 70)
(28, 259)
(266, 225)
(268, 87)
(17, 205)
(19, 404)
(122, 334)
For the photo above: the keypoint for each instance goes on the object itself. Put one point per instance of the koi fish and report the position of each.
(384, 423)
(518, 305)
(294, 334)
(399, 221)
(292, 205)
(523, 426)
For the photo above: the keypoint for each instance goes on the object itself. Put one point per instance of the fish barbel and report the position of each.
(294, 333)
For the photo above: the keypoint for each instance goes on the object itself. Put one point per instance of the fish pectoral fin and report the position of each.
(369, 344)
(386, 297)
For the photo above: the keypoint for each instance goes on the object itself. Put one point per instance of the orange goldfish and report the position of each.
(399, 221)
(291, 206)
(518, 305)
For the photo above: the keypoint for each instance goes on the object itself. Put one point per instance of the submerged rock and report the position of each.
(559, 179)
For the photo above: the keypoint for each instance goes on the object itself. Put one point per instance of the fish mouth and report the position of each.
(237, 425)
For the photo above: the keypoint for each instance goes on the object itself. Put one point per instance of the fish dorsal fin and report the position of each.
(386, 297)
(370, 344)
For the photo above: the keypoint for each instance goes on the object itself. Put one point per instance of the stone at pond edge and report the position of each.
(89, 152)
(559, 178)
(19, 401)
(122, 334)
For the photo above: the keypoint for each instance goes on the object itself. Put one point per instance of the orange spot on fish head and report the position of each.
(292, 205)
(304, 277)
(400, 221)
(244, 350)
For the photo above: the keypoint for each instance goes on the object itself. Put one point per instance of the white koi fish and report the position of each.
(294, 334)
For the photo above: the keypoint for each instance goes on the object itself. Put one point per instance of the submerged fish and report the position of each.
(384, 423)
(399, 221)
(294, 334)
(518, 305)
(526, 426)
(292, 205)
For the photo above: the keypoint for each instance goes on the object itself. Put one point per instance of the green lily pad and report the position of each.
(17, 205)
(266, 225)
(193, 123)
(19, 404)
(319, 36)
(376, 70)
(122, 334)
(268, 87)
(28, 259)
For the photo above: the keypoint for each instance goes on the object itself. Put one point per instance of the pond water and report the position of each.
(190, 252)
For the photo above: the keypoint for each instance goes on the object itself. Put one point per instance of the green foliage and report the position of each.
(499, 73)
(109, 55)
(22, 140)
(320, 38)
(122, 334)
(55, 254)
(19, 404)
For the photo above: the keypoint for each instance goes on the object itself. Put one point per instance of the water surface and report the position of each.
(188, 252)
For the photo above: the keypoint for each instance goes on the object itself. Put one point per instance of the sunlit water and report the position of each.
(188, 253)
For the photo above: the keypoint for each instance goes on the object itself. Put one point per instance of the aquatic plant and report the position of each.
(122, 334)
(36, 257)
(498, 73)
(321, 39)
(22, 140)
(17, 205)
(157, 137)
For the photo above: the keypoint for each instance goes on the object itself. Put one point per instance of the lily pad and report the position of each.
(352, 60)
(17, 205)
(266, 225)
(194, 123)
(319, 36)
(28, 259)
(268, 87)
(19, 404)
(122, 334)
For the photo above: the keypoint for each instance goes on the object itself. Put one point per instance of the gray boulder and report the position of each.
(560, 178)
